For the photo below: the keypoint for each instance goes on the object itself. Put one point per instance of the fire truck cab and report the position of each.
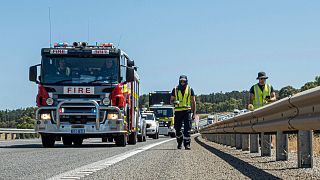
(86, 92)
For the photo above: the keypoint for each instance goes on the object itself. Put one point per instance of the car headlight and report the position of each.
(112, 116)
(45, 116)
(49, 101)
(106, 101)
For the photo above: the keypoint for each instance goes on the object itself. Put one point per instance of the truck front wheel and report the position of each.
(67, 141)
(133, 138)
(47, 141)
(121, 140)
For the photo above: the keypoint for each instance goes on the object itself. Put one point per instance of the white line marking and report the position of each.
(102, 164)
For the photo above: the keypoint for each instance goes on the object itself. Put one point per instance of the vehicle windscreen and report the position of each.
(147, 117)
(163, 112)
(76, 70)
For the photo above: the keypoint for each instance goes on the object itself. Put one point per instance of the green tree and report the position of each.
(317, 80)
(308, 85)
(287, 91)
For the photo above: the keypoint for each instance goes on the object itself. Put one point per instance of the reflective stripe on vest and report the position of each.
(260, 96)
(184, 101)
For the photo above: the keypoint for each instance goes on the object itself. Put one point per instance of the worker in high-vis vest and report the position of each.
(261, 93)
(184, 101)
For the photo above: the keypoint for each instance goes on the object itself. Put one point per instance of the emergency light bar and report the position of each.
(106, 44)
(61, 44)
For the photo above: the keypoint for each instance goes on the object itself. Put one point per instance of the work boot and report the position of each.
(187, 147)
(179, 146)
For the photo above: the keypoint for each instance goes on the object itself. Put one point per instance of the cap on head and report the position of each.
(183, 78)
(262, 75)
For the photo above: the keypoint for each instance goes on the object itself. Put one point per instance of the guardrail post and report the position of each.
(281, 146)
(211, 137)
(265, 144)
(228, 139)
(233, 140)
(305, 154)
(13, 136)
(238, 141)
(6, 136)
(225, 139)
(245, 142)
(254, 143)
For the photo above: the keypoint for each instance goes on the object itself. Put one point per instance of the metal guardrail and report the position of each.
(299, 113)
(20, 131)
(15, 133)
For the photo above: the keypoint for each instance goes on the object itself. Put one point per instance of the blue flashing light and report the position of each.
(94, 110)
(61, 44)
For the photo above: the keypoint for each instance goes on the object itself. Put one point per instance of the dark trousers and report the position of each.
(183, 118)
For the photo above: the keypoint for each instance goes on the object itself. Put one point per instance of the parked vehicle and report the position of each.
(86, 91)
(152, 125)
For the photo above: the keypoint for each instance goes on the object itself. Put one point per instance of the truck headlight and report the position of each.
(112, 116)
(45, 116)
(49, 101)
(106, 101)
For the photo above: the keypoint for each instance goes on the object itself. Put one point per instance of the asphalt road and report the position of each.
(154, 159)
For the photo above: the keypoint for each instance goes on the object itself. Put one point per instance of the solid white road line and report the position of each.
(86, 170)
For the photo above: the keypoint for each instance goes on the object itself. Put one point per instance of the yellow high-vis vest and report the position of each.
(184, 100)
(260, 96)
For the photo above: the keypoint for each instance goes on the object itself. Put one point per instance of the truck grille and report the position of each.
(80, 114)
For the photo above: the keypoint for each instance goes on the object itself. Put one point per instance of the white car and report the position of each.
(151, 124)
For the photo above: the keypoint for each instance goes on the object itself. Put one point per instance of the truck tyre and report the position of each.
(104, 139)
(77, 141)
(173, 135)
(67, 141)
(121, 140)
(133, 138)
(154, 136)
(47, 141)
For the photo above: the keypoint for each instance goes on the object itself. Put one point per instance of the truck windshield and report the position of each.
(147, 116)
(163, 112)
(75, 70)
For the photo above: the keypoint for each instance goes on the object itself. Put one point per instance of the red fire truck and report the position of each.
(86, 91)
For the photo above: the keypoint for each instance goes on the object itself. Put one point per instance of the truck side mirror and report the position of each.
(130, 74)
(33, 73)
(130, 63)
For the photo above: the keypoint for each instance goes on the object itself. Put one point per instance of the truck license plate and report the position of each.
(77, 131)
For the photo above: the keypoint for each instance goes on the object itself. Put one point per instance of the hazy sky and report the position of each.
(220, 45)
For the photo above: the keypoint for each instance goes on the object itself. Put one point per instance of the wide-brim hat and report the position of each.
(262, 75)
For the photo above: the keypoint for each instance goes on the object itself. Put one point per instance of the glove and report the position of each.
(250, 107)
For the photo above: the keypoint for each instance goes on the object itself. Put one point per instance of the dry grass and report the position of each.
(293, 145)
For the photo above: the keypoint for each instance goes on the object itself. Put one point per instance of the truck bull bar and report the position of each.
(58, 113)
